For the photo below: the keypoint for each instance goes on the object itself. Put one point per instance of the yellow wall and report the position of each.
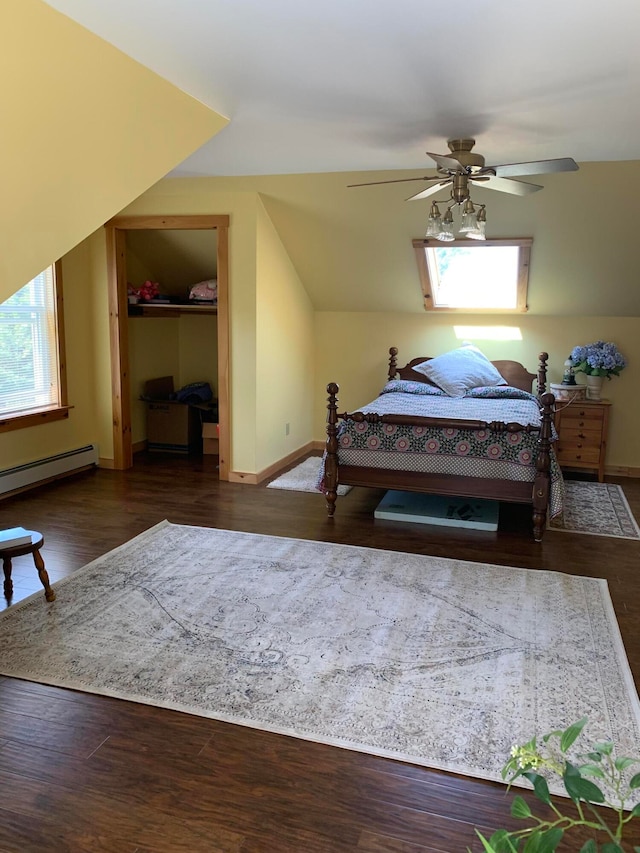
(352, 247)
(352, 349)
(281, 330)
(83, 424)
(284, 367)
(154, 351)
(85, 129)
(185, 348)
(203, 196)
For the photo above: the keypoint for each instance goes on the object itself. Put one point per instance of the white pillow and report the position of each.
(460, 369)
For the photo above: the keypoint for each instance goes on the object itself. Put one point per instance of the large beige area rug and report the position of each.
(598, 509)
(435, 661)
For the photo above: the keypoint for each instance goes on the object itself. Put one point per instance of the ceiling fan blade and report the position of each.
(449, 164)
(508, 185)
(537, 167)
(430, 190)
(397, 181)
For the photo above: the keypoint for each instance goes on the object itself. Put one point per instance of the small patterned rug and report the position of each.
(597, 509)
(440, 662)
(303, 478)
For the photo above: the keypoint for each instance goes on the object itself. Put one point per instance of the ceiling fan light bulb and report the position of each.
(469, 222)
(446, 230)
(479, 232)
(434, 226)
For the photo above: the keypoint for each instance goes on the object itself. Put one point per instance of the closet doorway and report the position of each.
(116, 236)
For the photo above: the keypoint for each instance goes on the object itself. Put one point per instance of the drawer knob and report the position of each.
(578, 456)
(580, 435)
(579, 445)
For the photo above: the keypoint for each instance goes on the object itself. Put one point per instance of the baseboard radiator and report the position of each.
(24, 476)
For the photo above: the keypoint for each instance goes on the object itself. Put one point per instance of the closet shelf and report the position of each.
(169, 309)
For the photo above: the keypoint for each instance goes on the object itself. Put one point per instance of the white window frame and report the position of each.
(52, 409)
(430, 288)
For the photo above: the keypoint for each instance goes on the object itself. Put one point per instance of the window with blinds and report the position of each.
(30, 356)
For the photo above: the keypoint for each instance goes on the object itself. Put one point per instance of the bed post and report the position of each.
(393, 365)
(542, 482)
(331, 455)
(542, 373)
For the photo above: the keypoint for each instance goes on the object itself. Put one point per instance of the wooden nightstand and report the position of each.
(582, 435)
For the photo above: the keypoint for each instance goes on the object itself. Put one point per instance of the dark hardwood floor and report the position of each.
(80, 772)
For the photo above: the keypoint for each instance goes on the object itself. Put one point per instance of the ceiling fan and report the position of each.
(462, 167)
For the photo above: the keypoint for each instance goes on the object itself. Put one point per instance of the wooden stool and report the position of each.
(7, 554)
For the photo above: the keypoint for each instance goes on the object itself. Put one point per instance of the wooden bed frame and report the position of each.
(536, 493)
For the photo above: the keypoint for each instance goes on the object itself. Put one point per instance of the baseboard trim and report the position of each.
(275, 468)
(622, 471)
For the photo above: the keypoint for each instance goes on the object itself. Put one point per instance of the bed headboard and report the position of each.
(515, 373)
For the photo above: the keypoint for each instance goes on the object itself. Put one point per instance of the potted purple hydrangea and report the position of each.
(596, 361)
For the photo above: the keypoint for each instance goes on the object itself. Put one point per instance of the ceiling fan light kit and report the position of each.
(463, 167)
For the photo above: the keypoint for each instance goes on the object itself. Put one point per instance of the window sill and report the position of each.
(31, 419)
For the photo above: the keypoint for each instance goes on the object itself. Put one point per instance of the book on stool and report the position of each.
(14, 536)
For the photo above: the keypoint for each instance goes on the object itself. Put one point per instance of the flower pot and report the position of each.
(594, 387)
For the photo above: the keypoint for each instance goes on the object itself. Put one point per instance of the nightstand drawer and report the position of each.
(567, 455)
(577, 438)
(583, 414)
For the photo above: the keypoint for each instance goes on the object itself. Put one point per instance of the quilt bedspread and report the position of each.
(459, 451)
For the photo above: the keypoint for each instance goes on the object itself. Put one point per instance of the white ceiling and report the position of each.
(346, 85)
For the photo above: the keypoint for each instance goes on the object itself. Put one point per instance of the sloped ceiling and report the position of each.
(346, 85)
(85, 130)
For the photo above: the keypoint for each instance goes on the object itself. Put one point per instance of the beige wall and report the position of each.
(284, 366)
(83, 424)
(85, 129)
(297, 244)
(202, 196)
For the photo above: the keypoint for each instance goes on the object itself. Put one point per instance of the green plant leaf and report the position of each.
(582, 789)
(501, 841)
(550, 839)
(589, 847)
(540, 786)
(634, 782)
(605, 748)
(622, 763)
(485, 844)
(591, 770)
(569, 735)
(635, 811)
(594, 756)
(533, 843)
(611, 847)
(520, 808)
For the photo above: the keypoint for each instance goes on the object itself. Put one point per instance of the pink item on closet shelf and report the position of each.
(205, 291)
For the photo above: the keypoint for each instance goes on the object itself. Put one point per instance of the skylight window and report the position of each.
(466, 275)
